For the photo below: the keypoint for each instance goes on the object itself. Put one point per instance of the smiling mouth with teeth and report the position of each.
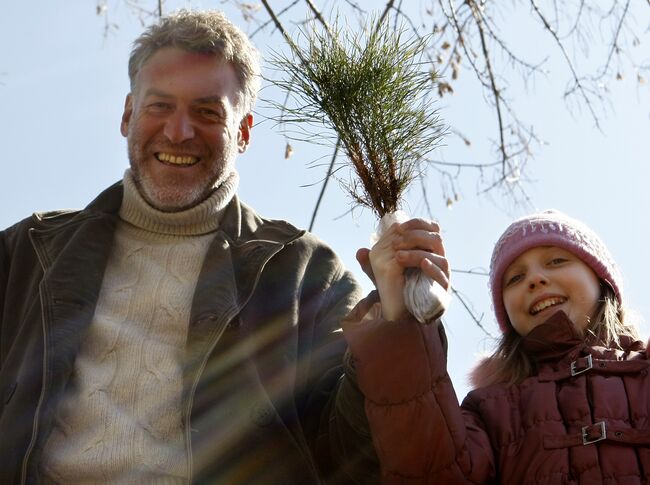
(546, 303)
(180, 160)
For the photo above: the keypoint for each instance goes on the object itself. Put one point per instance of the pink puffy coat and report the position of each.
(584, 418)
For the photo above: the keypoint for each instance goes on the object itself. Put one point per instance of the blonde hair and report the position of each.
(207, 32)
(509, 364)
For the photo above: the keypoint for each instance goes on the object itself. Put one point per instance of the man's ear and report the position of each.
(126, 115)
(244, 133)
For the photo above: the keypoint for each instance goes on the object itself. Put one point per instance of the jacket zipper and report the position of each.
(41, 398)
(190, 400)
(223, 322)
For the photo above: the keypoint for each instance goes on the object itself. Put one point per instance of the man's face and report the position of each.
(183, 127)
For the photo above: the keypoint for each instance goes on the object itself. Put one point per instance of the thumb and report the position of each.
(363, 257)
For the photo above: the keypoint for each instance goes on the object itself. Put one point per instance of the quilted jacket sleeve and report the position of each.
(420, 432)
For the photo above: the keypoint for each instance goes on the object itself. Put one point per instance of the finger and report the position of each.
(363, 257)
(419, 224)
(414, 259)
(435, 272)
(420, 239)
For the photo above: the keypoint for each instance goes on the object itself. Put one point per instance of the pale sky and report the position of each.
(62, 89)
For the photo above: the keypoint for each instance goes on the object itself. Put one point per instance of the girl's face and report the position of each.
(544, 280)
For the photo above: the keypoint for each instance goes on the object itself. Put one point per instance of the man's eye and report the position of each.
(210, 113)
(158, 106)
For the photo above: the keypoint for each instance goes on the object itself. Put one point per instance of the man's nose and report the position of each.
(179, 128)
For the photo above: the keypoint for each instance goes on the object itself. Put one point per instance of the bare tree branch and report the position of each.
(277, 23)
(476, 272)
(387, 8)
(477, 320)
(426, 198)
(319, 16)
(463, 165)
(495, 90)
(273, 17)
(614, 42)
(576, 79)
(325, 181)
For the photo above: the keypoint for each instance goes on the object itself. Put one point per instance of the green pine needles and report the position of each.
(371, 90)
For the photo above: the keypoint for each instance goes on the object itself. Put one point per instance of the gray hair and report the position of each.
(208, 32)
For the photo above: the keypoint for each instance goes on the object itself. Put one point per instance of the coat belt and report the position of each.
(589, 364)
(596, 432)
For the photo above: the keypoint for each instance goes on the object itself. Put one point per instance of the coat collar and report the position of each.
(553, 339)
(240, 224)
(558, 339)
(73, 249)
(558, 351)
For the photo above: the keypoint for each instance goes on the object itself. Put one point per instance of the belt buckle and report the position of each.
(590, 364)
(586, 440)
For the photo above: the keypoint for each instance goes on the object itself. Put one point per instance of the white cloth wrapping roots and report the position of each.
(424, 297)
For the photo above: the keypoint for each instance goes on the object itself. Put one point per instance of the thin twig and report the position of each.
(463, 165)
(278, 24)
(493, 85)
(615, 40)
(387, 8)
(477, 320)
(475, 272)
(322, 190)
(426, 198)
(319, 16)
(453, 18)
(576, 78)
(261, 27)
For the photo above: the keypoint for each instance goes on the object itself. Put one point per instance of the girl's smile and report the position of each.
(544, 280)
(546, 302)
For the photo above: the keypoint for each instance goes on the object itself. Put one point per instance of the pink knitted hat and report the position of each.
(549, 228)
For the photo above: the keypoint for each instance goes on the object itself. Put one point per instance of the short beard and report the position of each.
(173, 198)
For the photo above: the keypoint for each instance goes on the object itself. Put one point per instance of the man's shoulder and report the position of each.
(106, 202)
(54, 217)
(42, 220)
(279, 230)
(256, 224)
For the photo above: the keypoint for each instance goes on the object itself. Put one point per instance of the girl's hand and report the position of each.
(412, 244)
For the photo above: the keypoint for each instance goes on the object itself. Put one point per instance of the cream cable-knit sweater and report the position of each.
(121, 419)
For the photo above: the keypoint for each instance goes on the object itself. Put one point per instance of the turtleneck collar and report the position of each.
(200, 219)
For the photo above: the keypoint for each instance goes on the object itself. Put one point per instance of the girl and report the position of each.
(565, 398)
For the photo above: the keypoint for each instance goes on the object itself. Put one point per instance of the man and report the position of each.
(167, 333)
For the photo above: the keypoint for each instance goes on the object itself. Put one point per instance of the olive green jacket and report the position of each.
(265, 396)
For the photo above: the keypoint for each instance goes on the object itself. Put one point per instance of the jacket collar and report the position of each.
(558, 339)
(73, 250)
(553, 339)
(240, 224)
